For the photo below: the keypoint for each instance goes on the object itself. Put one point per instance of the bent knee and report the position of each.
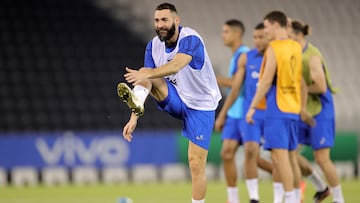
(227, 154)
(322, 160)
(196, 164)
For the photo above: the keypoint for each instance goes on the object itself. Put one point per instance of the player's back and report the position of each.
(284, 96)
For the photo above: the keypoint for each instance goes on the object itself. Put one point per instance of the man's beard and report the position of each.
(169, 35)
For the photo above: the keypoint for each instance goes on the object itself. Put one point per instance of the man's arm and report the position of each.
(266, 79)
(304, 114)
(179, 61)
(191, 51)
(317, 76)
(224, 81)
(130, 127)
(237, 81)
(304, 94)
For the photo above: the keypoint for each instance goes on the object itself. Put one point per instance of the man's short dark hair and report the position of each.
(298, 27)
(236, 23)
(277, 16)
(169, 6)
(259, 26)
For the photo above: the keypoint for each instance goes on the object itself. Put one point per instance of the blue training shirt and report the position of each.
(251, 78)
(236, 110)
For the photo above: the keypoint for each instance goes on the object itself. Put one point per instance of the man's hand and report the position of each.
(249, 115)
(307, 118)
(219, 123)
(130, 127)
(136, 76)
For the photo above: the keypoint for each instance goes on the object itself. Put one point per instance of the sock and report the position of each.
(290, 197)
(337, 194)
(252, 186)
(317, 181)
(297, 192)
(198, 201)
(278, 192)
(141, 93)
(233, 194)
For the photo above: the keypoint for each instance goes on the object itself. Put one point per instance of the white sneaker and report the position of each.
(128, 97)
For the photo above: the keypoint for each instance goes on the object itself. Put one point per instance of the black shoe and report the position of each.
(254, 201)
(320, 196)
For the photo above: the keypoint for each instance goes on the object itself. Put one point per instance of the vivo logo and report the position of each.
(71, 150)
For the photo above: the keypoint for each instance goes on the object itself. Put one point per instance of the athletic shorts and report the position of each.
(320, 136)
(252, 132)
(281, 134)
(231, 130)
(197, 124)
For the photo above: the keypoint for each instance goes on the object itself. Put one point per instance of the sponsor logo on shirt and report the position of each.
(252, 66)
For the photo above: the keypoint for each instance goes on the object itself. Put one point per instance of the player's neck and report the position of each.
(303, 43)
(281, 34)
(236, 45)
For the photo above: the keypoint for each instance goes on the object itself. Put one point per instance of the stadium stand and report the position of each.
(24, 176)
(144, 173)
(335, 35)
(3, 177)
(174, 173)
(85, 175)
(52, 176)
(60, 62)
(113, 175)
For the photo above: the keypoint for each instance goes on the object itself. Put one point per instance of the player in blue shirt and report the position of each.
(243, 88)
(232, 34)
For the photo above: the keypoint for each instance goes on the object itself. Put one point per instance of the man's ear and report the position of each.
(177, 20)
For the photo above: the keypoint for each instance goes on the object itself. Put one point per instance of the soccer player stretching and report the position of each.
(179, 76)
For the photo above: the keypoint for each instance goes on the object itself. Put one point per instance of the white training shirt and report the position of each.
(196, 82)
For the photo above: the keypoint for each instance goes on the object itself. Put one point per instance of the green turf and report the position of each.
(148, 193)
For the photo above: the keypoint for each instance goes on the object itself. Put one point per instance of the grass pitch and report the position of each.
(150, 193)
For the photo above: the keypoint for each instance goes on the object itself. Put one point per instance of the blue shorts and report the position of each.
(197, 125)
(231, 129)
(320, 136)
(252, 132)
(281, 134)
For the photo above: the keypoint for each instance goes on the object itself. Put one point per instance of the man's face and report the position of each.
(260, 40)
(269, 30)
(166, 24)
(229, 34)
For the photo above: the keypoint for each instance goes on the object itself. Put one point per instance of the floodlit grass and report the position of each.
(149, 193)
